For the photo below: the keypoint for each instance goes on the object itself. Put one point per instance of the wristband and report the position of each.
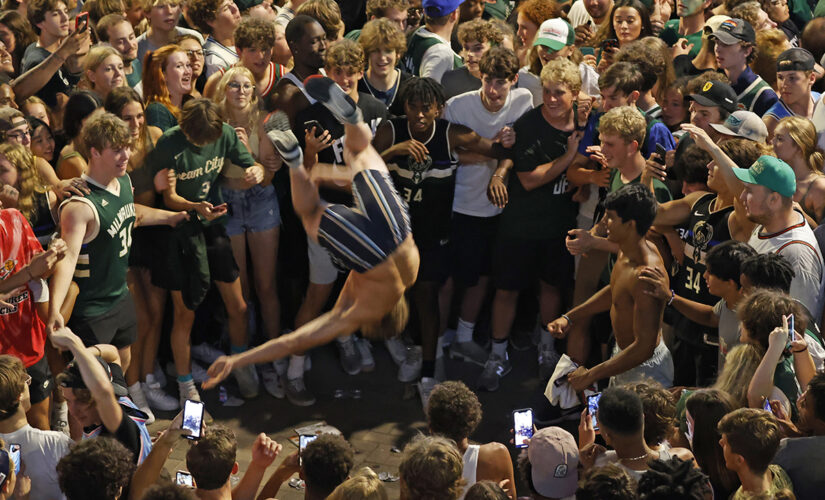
(567, 318)
(672, 296)
(800, 350)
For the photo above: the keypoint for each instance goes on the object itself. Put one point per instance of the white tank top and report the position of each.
(470, 465)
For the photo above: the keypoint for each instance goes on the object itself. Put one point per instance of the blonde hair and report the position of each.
(95, 58)
(740, 365)
(252, 108)
(803, 133)
(562, 71)
(345, 53)
(382, 33)
(626, 122)
(28, 178)
(364, 485)
(431, 469)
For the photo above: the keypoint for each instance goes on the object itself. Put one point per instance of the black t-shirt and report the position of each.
(374, 113)
(61, 82)
(459, 81)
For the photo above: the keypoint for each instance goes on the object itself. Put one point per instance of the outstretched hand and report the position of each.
(219, 370)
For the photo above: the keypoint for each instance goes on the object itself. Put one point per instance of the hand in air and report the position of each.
(219, 370)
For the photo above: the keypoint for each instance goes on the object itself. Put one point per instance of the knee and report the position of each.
(236, 308)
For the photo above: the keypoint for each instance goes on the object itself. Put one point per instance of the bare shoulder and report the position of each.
(684, 454)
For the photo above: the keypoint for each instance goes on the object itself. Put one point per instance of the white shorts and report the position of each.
(658, 367)
(321, 269)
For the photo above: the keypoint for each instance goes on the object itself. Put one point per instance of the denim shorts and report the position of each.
(251, 210)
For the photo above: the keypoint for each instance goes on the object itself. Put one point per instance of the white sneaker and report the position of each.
(247, 379)
(160, 377)
(273, 381)
(206, 353)
(425, 388)
(157, 397)
(365, 348)
(397, 349)
(410, 368)
(137, 397)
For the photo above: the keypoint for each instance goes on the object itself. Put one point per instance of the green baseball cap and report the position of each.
(770, 172)
(555, 34)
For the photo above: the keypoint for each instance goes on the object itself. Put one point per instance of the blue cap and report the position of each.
(440, 8)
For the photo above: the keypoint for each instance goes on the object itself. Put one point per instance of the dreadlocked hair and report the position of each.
(423, 91)
(674, 479)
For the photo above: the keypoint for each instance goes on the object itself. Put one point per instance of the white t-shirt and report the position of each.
(472, 179)
(39, 453)
(438, 59)
(218, 56)
(798, 244)
(578, 14)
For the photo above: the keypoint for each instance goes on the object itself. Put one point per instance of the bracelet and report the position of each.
(672, 296)
(499, 176)
(567, 318)
(800, 350)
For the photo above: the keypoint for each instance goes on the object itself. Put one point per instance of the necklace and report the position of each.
(633, 459)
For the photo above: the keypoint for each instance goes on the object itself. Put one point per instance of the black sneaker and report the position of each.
(328, 93)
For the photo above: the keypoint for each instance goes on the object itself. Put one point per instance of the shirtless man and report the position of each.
(636, 316)
(374, 240)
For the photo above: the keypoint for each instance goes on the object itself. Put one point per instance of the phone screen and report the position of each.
(593, 408)
(522, 426)
(791, 332)
(767, 406)
(14, 454)
(183, 478)
(192, 418)
(304, 440)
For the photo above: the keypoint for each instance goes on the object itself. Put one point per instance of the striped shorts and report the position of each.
(361, 237)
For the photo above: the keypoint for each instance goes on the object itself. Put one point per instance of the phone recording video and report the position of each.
(14, 454)
(522, 426)
(183, 478)
(81, 22)
(593, 408)
(767, 406)
(192, 418)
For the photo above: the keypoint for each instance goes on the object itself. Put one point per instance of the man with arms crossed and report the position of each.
(374, 240)
(636, 316)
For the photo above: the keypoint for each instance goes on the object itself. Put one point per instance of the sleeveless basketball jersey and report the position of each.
(427, 187)
(747, 99)
(130, 410)
(705, 229)
(420, 41)
(101, 267)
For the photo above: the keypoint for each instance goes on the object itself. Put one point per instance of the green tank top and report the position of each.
(420, 41)
(100, 272)
(749, 96)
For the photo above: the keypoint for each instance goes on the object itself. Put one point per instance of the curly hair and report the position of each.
(95, 469)
(626, 122)
(762, 311)
(486, 490)
(453, 411)
(202, 12)
(168, 492)
(254, 33)
(480, 30)
(769, 44)
(326, 463)
(610, 482)
(431, 469)
(212, 458)
(105, 130)
(754, 434)
(378, 8)
(659, 411)
(364, 485)
(326, 12)
(423, 91)
(29, 181)
(562, 71)
(381, 34)
(345, 53)
(674, 479)
(538, 11)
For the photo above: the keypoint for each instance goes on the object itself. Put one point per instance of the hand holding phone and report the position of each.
(791, 332)
(522, 426)
(183, 478)
(303, 441)
(81, 22)
(593, 408)
(192, 418)
(662, 152)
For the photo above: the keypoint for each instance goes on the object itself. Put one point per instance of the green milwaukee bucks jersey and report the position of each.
(101, 267)
(420, 41)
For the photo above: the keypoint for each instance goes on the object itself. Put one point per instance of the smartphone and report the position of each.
(662, 152)
(767, 406)
(593, 408)
(183, 478)
(81, 22)
(522, 426)
(14, 454)
(192, 418)
(610, 43)
(319, 129)
(791, 332)
(303, 441)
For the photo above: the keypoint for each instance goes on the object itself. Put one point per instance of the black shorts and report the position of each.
(169, 272)
(472, 242)
(518, 262)
(434, 263)
(42, 382)
(222, 265)
(361, 237)
(117, 326)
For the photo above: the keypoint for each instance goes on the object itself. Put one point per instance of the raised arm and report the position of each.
(723, 161)
(762, 384)
(30, 82)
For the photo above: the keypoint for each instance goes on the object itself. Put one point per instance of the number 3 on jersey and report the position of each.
(125, 240)
(693, 278)
(409, 197)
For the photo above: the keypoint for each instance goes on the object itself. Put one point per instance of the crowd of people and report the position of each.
(192, 190)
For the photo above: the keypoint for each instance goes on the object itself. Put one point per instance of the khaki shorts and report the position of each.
(658, 367)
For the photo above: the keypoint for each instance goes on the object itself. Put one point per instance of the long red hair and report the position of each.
(154, 78)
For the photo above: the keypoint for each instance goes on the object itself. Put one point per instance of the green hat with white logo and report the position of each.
(555, 34)
(770, 172)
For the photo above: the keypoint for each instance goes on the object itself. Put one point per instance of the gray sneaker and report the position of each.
(469, 351)
(273, 381)
(365, 348)
(247, 379)
(397, 349)
(495, 368)
(410, 369)
(350, 356)
(297, 392)
(425, 388)
(548, 358)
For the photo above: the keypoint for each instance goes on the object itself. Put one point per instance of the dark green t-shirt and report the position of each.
(671, 32)
(197, 167)
(158, 115)
(547, 211)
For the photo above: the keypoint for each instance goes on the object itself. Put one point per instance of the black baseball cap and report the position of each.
(795, 59)
(716, 93)
(73, 380)
(734, 30)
